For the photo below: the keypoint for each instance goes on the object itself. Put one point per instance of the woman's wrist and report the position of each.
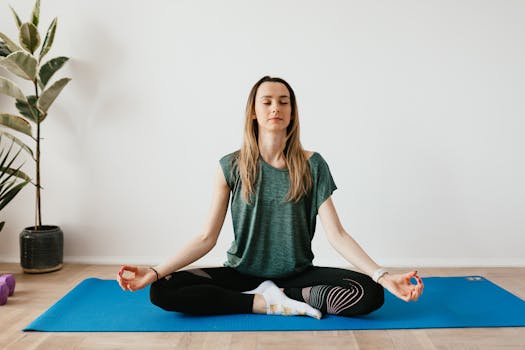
(378, 274)
(384, 279)
(154, 273)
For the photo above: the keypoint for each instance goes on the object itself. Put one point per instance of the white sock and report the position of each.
(277, 303)
(261, 288)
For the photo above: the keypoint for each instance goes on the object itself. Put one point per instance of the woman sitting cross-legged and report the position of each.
(277, 189)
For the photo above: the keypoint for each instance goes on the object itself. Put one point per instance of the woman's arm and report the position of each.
(203, 243)
(194, 250)
(344, 244)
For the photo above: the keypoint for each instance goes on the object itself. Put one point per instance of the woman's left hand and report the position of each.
(401, 287)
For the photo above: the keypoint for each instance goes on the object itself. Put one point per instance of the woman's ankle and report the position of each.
(259, 304)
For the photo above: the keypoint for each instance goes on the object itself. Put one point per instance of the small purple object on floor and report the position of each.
(9, 279)
(4, 292)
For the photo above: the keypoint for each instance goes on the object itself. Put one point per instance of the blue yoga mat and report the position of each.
(97, 305)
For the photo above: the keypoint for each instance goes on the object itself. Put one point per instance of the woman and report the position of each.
(277, 190)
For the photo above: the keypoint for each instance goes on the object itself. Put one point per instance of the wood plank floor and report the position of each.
(35, 293)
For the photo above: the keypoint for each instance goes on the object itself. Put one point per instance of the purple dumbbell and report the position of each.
(9, 280)
(4, 292)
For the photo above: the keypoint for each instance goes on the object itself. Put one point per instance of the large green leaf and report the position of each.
(17, 19)
(29, 37)
(51, 93)
(10, 43)
(18, 142)
(48, 69)
(28, 108)
(35, 16)
(21, 63)
(16, 123)
(9, 88)
(4, 50)
(50, 37)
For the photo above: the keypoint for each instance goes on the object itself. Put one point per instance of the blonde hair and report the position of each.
(247, 157)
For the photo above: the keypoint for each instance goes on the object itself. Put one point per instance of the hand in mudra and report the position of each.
(401, 286)
(133, 278)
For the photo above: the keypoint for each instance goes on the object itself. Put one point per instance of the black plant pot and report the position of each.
(41, 250)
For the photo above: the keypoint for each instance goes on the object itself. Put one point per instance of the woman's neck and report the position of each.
(271, 148)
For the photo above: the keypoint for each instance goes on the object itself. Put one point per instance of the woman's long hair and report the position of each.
(294, 156)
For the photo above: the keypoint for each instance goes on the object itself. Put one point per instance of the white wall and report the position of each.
(416, 105)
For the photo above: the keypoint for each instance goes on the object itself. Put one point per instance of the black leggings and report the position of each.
(218, 290)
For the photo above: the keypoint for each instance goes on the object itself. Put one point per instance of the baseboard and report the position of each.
(409, 263)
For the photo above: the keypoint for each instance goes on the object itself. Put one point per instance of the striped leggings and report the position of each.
(218, 290)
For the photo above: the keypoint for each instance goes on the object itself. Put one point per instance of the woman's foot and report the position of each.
(277, 303)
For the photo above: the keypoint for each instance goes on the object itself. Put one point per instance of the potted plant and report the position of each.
(11, 180)
(41, 246)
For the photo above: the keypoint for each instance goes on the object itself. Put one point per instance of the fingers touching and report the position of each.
(125, 277)
(416, 289)
(412, 291)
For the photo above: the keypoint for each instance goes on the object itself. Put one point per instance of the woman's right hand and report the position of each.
(133, 278)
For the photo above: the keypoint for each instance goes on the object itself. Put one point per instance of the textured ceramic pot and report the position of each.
(42, 249)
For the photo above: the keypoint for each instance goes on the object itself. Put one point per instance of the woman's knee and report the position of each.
(155, 294)
(164, 293)
(162, 296)
(378, 298)
(373, 298)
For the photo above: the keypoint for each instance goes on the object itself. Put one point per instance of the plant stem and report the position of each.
(38, 213)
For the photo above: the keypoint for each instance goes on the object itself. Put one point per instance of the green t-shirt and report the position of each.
(273, 237)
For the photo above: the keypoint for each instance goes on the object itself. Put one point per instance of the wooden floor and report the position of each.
(35, 293)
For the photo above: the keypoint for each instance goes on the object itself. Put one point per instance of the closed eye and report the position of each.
(269, 103)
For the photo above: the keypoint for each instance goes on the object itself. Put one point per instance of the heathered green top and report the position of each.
(273, 237)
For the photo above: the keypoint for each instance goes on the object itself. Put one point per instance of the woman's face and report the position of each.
(272, 106)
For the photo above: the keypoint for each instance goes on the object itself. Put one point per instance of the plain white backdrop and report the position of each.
(417, 106)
